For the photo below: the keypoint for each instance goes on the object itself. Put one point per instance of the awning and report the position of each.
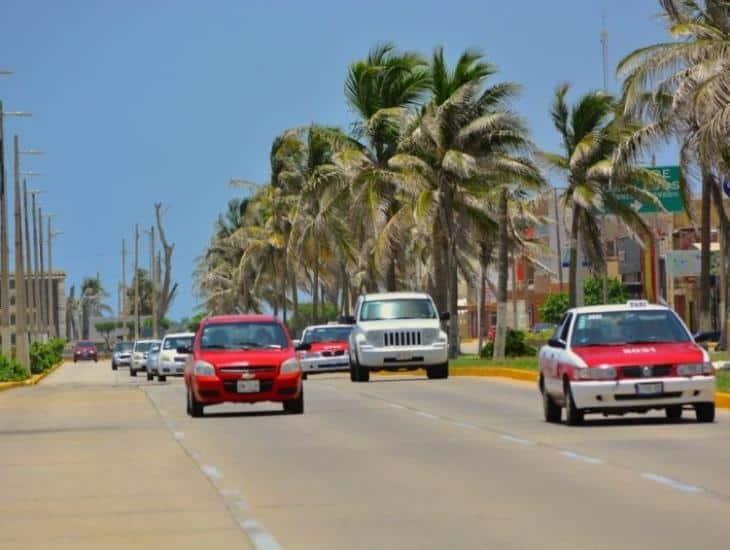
(714, 247)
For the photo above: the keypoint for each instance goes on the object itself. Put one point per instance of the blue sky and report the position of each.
(138, 101)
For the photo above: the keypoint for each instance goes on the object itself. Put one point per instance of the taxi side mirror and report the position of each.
(556, 343)
(303, 346)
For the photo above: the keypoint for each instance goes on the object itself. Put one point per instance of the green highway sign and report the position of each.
(669, 197)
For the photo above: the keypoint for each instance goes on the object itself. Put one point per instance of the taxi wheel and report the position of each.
(196, 407)
(573, 415)
(132, 372)
(705, 412)
(114, 366)
(674, 412)
(553, 412)
(162, 378)
(304, 376)
(150, 376)
(295, 406)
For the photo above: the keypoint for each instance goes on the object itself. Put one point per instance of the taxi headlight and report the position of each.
(695, 369)
(309, 354)
(601, 372)
(202, 368)
(290, 365)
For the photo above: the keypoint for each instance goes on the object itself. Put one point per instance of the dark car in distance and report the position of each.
(85, 351)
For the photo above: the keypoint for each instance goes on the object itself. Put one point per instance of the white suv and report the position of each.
(397, 331)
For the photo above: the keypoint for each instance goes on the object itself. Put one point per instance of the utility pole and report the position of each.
(4, 253)
(42, 276)
(22, 351)
(136, 281)
(37, 274)
(28, 264)
(123, 296)
(557, 239)
(153, 282)
(49, 289)
(604, 54)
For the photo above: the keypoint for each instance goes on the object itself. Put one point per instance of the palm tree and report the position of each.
(381, 89)
(689, 79)
(457, 152)
(92, 303)
(591, 134)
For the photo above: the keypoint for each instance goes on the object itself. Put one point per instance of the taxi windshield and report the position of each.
(327, 334)
(615, 328)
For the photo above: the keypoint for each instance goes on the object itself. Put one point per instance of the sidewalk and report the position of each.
(86, 462)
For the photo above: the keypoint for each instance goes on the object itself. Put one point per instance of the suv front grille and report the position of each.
(395, 338)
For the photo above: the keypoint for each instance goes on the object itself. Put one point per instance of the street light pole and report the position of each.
(43, 316)
(30, 279)
(52, 303)
(22, 351)
(38, 272)
(136, 282)
(4, 237)
(557, 239)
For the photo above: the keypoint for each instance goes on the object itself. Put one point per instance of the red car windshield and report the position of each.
(86, 345)
(243, 335)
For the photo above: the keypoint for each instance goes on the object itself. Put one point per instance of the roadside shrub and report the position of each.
(514, 347)
(11, 370)
(44, 356)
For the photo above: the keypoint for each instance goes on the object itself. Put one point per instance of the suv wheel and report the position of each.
(161, 378)
(150, 376)
(114, 366)
(438, 372)
(705, 412)
(674, 412)
(573, 415)
(358, 373)
(295, 406)
(552, 412)
(132, 372)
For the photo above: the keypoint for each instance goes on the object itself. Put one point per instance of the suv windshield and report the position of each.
(386, 310)
(85, 345)
(243, 335)
(628, 327)
(177, 342)
(326, 334)
(123, 346)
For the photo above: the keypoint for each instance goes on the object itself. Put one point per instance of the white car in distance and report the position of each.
(397, 331)
(172, 361)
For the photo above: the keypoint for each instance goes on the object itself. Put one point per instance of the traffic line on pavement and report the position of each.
(260, 537)
(211, 471)
(464, 425)
(674, 484)
(179, 436)
(396, 406)
(583, 458)
(518, 440)
(427, 415)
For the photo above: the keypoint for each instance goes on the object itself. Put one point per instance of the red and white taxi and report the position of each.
(242, 359)
(624, 358)
(323, 348)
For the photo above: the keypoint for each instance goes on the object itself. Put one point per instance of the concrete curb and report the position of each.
(32, 381)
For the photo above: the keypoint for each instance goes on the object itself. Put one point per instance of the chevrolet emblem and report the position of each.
(247, 375)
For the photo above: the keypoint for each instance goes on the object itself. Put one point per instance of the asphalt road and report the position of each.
(404, 462)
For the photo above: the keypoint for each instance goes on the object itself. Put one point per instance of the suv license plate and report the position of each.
(652, 388)
(248, 386)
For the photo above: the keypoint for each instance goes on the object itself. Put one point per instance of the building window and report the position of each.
(12, 284)
(12, 300)
(611, 249)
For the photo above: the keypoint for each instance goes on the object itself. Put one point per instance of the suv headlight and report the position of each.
(290, 365)
(442, 339)
(695, 369)
(202, 368)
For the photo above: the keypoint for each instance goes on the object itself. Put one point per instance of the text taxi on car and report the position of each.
(616, 359)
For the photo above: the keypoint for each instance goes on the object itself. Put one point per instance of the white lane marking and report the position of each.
(260, 537)
(211, 471)
(465, 425)
(678, 485)
(179, 436)
(396, 406)
(518, 440)
(583, 458)
(427, 415)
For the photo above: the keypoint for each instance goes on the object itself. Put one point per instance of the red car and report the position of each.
(85, 351)
(242, 359)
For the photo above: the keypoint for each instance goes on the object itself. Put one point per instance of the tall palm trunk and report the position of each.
(295, 301)
(439, 291)
(724, 262)
(315, 289)
(500, 336)
(452, 269)
(282, 292)
(484, 255)
(85, 321)
(573, 268)
(705, 318)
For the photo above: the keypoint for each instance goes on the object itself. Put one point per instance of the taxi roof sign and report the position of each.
(637, 303)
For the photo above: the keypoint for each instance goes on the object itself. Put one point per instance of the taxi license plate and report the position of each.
(651, 388)
(248, 386)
